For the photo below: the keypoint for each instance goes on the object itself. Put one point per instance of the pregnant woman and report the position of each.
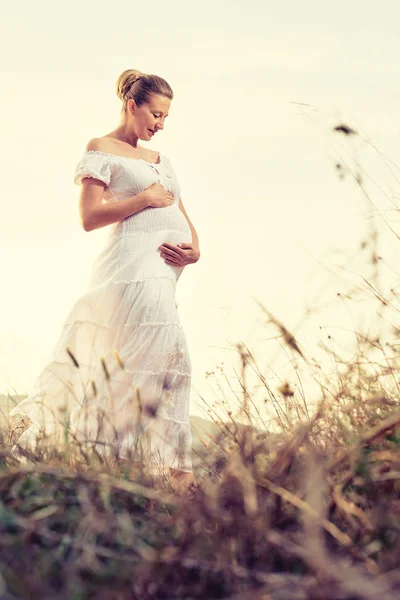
(120, 374)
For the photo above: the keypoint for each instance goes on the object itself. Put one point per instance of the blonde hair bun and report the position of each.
(126, 80)
(135, 85)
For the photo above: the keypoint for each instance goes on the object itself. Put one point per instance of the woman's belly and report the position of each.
(132, 249)
(151, 220)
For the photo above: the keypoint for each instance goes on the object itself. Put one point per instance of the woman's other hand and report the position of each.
(158, 196)
(180, 255)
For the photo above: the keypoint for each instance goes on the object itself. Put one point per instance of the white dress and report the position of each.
(128, 307)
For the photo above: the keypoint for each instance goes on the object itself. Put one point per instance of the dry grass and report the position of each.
(294, 519)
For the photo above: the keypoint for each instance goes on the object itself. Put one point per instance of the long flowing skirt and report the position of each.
(119, 376)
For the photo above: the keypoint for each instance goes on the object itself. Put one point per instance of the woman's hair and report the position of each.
(138, 86)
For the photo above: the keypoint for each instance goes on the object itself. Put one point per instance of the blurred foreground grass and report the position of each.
(289, 516)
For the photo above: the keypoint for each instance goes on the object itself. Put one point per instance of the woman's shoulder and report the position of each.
(96, 162)
(97, 144)
(110, 146)
(95, 149)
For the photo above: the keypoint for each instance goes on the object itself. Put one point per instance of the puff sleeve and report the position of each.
(93, 164)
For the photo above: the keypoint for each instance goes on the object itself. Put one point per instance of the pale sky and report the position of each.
(258, 88)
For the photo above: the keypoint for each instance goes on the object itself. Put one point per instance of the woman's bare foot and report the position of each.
(181, 481)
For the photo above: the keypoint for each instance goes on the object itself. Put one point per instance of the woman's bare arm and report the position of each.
(195, 239)
(94, 214)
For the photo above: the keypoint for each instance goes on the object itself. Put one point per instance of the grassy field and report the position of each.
(311, 512)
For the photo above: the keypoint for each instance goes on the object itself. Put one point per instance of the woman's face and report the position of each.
(150, 117)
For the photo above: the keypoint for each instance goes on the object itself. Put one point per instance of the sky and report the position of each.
(258, 89)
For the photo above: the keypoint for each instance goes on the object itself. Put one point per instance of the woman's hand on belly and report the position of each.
(180, 255)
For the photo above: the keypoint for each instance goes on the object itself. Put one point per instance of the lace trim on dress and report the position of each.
(172, 279)
(161, 156)
(138, 323)
(126, 281)
(57, 362)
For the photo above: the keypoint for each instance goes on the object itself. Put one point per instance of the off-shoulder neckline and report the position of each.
(160, 156)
